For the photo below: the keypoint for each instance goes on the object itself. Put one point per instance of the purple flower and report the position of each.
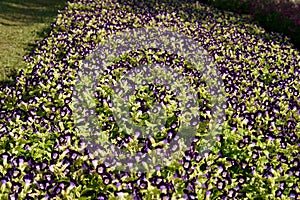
(3, 180)
(231, 193)
(157, 168)
(221, 167)
(208, 193)
(13, 196)
(221, 185)
(102, 197)
(293, 194)
(16, 187)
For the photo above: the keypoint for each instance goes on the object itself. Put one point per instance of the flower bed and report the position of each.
(275, 15)
(256, 156)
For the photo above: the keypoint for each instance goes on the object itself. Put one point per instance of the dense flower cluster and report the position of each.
(256, 156)
(274, 15)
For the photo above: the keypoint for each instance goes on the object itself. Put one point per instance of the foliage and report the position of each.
(255, 157)
(279, 16)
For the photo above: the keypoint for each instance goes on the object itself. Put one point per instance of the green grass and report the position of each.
(21, 24)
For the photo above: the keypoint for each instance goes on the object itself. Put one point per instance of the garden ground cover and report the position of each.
(274, 15)
(256, 156)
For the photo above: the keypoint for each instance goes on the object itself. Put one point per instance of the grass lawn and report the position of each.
(21, 24)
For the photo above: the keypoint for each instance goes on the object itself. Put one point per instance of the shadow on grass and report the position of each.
(11, 79)
(17, 14)
(43, 33)
(13, 73)
(29, 11)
